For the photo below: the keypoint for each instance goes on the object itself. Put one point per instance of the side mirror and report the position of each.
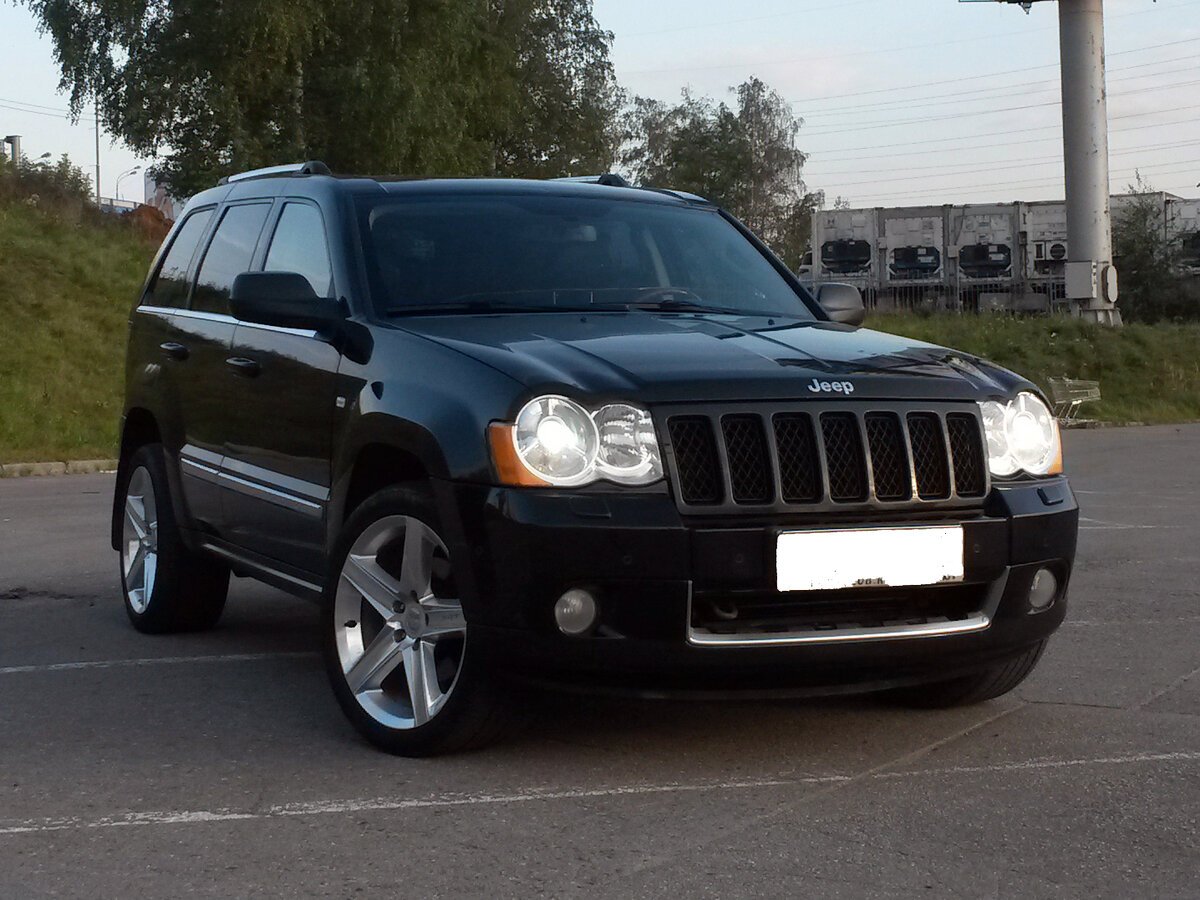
(285, 299)
(842, 302)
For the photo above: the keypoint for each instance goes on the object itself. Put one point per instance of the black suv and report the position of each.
(576, 433)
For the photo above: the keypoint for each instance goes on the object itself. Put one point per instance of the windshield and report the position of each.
(441, 254)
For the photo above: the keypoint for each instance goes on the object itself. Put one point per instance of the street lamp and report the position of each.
(125, 175)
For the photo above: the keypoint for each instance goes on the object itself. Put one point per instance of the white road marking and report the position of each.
(152, 661)
(393, 804)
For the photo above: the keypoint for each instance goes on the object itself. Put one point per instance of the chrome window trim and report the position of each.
(222, 317)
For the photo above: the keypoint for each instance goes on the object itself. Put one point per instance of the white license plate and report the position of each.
(868, 557)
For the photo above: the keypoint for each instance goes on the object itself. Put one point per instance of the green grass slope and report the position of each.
(1147, 373)
(65, 294)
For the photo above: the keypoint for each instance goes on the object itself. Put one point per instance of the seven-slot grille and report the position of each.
(816, 456)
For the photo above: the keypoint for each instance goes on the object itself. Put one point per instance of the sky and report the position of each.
(904, 102)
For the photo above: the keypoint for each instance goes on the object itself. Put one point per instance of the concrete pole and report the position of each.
(14, 141)
(1091, 279)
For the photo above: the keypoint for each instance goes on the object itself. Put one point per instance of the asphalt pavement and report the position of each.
(218, 764)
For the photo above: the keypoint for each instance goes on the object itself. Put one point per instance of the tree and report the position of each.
(403, 86)
(742, 157)
(1147, 259)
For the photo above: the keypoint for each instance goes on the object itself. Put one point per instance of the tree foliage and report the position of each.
(519, 87)
(743, 157)
(1148, 261)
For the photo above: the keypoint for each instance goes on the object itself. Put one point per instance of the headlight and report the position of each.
(1022, 436)
(555, 441)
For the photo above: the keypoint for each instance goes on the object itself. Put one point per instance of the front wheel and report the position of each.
(399, 651)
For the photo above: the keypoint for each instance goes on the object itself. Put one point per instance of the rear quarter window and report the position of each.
(170, 285)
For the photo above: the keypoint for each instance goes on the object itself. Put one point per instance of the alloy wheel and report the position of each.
(399, 629)
(140, 539)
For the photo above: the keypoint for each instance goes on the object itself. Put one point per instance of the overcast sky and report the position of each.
(904, 101)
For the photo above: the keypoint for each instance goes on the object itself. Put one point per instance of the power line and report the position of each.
(985, 171)
(997, 92)
(879, 199)
(38, 112)
(972, 167)
(1005, 133)
(877, 52)
(892, 123)
(1054, 65)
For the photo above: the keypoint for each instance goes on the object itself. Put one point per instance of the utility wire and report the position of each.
(885, 198)
(996, 93)
(1008, 133)
(1054, 65)
(986, 171)
(972, 168)
(892, 123)
(884, 50)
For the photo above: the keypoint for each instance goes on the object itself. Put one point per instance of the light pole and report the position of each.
(124, 175)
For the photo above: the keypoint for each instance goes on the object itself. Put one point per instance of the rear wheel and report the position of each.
(166, 586)
(986, 684)
(399, 653)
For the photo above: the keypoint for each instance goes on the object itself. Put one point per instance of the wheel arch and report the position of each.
(138, 428)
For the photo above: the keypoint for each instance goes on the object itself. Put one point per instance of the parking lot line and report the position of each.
(393, 804)
(153, 661)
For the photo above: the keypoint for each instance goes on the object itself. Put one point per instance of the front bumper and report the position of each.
(653, 571)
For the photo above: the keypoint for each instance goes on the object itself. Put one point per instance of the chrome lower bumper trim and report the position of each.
(935, 628)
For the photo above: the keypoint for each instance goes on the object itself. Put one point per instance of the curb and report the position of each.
(71, 467)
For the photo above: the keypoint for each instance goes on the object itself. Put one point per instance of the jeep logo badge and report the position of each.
(831, 387)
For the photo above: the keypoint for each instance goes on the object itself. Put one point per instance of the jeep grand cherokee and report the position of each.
(575, 433)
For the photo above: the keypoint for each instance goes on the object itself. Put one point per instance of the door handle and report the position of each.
(174, 350)
(247, 368)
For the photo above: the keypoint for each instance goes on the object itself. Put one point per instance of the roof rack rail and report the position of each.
(312, 167)
(610, 179)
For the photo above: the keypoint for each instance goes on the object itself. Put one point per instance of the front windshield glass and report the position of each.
(504, 252)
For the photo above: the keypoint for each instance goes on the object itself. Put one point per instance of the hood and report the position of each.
(670, 357)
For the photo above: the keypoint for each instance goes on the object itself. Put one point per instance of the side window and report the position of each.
(228, 255)
(299, 246)
(170, 285)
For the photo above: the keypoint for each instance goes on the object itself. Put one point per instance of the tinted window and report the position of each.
(228, 255)
(558, 252)
(170, 287)
(299, 246)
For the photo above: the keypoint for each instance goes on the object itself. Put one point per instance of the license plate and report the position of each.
(868, 557)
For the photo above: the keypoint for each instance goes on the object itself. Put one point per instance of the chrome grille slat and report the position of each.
(807, 457)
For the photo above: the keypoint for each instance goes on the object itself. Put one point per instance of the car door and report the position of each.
(279, 440)
(157, 339)
(205, 329)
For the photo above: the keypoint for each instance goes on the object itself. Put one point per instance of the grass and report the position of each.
(1147, 373)
(66, 289)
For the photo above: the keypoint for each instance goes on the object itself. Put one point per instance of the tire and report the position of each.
(397, 645)
(166, 587)
(987, 684)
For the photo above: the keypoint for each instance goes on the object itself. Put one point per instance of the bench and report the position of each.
(1068, 394)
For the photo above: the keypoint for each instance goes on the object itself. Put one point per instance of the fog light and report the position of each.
(575, 612)
(1043, 590)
